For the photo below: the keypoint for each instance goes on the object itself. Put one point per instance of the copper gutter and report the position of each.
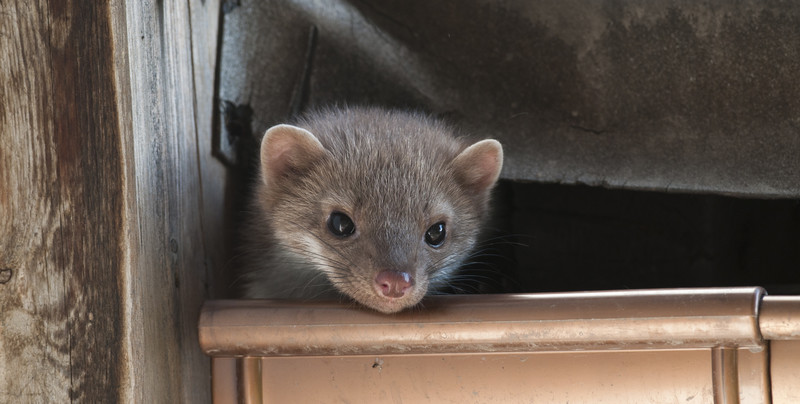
(693, 318)
(664, 334)
(780, 318)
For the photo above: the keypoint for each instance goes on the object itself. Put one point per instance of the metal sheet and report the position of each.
(785, 371)
(696, 345)
(681, 318)
(588, 377)
(779, 317)
(651, 376)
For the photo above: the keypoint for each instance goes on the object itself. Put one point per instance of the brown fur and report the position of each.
(394, 174)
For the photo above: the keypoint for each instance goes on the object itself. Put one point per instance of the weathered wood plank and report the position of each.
(168, 279)
(192, 280)
(215, 176)
(60, 205)
(101, 248)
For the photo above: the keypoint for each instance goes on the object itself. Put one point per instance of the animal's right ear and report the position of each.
(479, 165)
(286, 149)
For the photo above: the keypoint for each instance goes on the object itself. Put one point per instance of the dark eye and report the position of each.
(340, 224)
(434, 236)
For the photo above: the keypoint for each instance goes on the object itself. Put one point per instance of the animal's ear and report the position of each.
(479, 165)
(286, 149)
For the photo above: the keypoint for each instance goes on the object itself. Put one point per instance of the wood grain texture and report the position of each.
(101, 250)
(168, 279)
(217, 184)
(60, 205)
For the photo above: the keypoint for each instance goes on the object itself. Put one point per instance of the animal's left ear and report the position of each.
(479, 165)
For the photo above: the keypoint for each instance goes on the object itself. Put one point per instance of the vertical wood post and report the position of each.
(102, 256)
